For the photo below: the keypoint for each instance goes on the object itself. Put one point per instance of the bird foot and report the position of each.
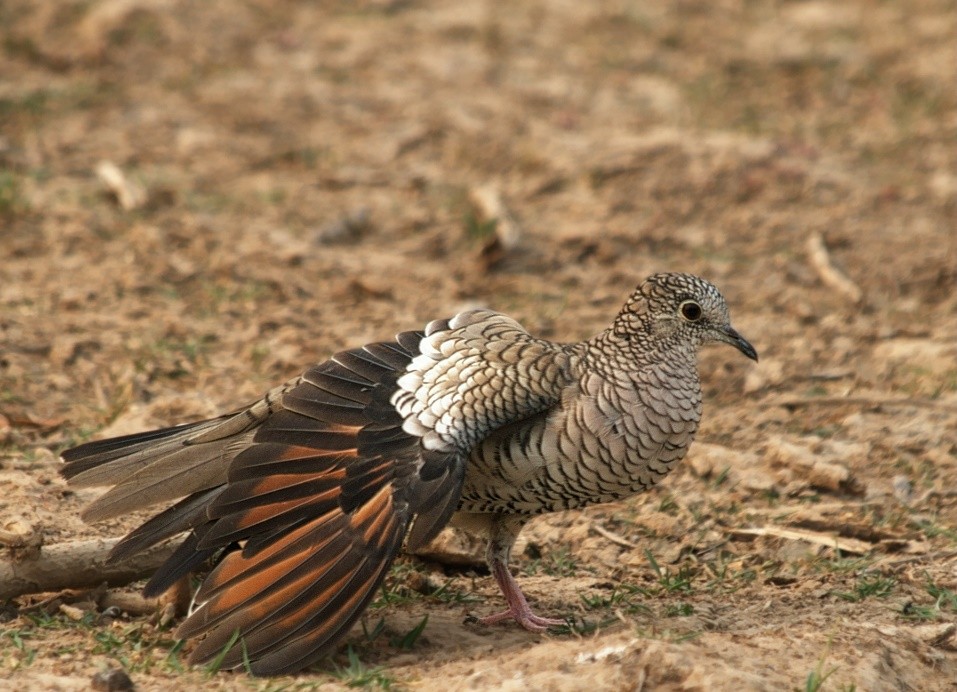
(524, 617)
(518, 608)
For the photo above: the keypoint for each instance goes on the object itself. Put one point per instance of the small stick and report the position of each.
(864, 401)
(845, 545)
(936, 557)
(830, 275)
(131, 603)
(129, 194)
(613, 537)
(488, 199)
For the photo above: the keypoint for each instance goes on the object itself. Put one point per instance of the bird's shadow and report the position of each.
(394, 639)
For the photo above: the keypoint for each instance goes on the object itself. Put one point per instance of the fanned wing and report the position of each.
(319, 503)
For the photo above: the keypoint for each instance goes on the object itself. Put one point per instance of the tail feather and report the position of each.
(160, 478)
(83, 461)
(162, 465)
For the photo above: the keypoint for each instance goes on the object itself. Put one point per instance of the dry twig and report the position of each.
(613, 537)
(845, 545)
(81, 564)
(129, 194)
(832, 276)
(488, 201)
(864, 401)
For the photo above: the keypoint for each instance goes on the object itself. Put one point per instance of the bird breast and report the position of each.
(604, 441)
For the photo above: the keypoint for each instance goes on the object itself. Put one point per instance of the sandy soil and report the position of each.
(292, 178)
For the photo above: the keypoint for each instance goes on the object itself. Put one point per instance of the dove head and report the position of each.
(678, 311)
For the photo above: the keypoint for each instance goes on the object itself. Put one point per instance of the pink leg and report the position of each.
(518, 608)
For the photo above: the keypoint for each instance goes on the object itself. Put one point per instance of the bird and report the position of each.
(299, 503)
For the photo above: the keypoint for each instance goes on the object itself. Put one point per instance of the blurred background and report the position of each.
(199, 199)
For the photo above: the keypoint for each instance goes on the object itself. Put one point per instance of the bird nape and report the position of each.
(302, 500)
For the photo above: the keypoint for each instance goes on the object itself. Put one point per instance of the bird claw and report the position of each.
(524, 617)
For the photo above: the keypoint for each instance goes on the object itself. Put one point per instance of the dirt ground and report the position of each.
(199, 199)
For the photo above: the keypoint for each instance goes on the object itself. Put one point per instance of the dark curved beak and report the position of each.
(728, 335)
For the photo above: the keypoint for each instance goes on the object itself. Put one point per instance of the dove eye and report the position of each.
(690, 310)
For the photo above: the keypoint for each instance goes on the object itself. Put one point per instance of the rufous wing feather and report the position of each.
(301, 502)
